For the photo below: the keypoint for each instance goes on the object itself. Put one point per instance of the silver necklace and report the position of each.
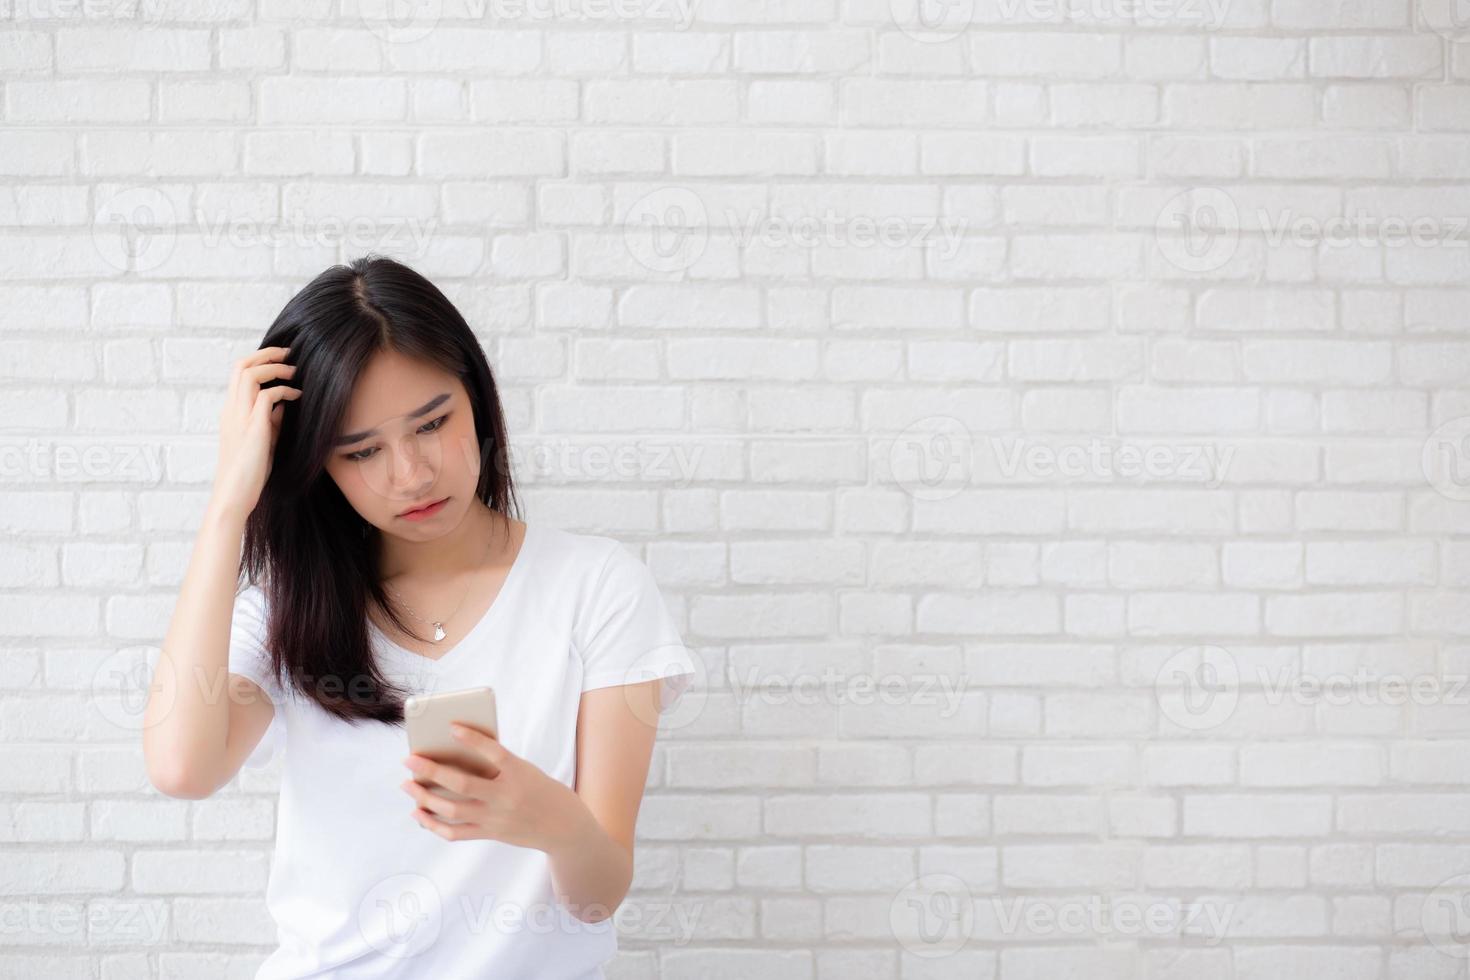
(438, 625)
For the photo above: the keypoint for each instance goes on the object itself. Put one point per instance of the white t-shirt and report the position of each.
(357, 888)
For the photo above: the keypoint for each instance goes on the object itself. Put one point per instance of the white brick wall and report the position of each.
(1049, 423)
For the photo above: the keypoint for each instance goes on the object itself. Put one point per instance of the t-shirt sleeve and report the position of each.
(249, 659)
(625, 634)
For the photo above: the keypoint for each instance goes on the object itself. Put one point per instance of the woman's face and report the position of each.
(407, 440)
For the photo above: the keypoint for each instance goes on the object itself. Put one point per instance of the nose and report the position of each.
(412, 473)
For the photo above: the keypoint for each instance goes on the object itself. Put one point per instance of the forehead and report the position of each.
(392, 386)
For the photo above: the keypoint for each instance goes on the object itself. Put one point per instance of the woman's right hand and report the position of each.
(249, 426)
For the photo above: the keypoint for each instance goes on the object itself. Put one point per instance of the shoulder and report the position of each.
(580, 556)
(590, 569)
(250, 610)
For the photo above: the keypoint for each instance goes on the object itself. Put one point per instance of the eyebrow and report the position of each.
(419, 412)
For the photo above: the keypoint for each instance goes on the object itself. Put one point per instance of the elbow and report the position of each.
(181, 788)
(179, 782)
(596, 912)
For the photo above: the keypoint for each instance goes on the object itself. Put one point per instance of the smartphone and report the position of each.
(427, 718)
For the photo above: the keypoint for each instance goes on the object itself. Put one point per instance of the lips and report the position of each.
(423, 510)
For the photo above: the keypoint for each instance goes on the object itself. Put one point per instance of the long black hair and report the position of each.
(313, 556)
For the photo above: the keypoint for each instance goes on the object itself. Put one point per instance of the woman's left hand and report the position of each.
(519, 805)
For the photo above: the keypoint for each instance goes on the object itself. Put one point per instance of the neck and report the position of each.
(460, 550)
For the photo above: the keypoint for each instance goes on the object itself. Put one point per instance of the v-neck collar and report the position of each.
(512, 576)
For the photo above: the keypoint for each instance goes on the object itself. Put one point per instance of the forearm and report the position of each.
(590, 871)
(186, 717)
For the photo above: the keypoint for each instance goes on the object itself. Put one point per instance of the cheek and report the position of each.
(348, 478)
(461, 454)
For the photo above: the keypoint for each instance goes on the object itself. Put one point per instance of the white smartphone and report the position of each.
(427, 718)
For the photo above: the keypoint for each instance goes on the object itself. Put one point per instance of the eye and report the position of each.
(427, 427)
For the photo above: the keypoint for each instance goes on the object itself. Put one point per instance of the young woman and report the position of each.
(363, 461)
